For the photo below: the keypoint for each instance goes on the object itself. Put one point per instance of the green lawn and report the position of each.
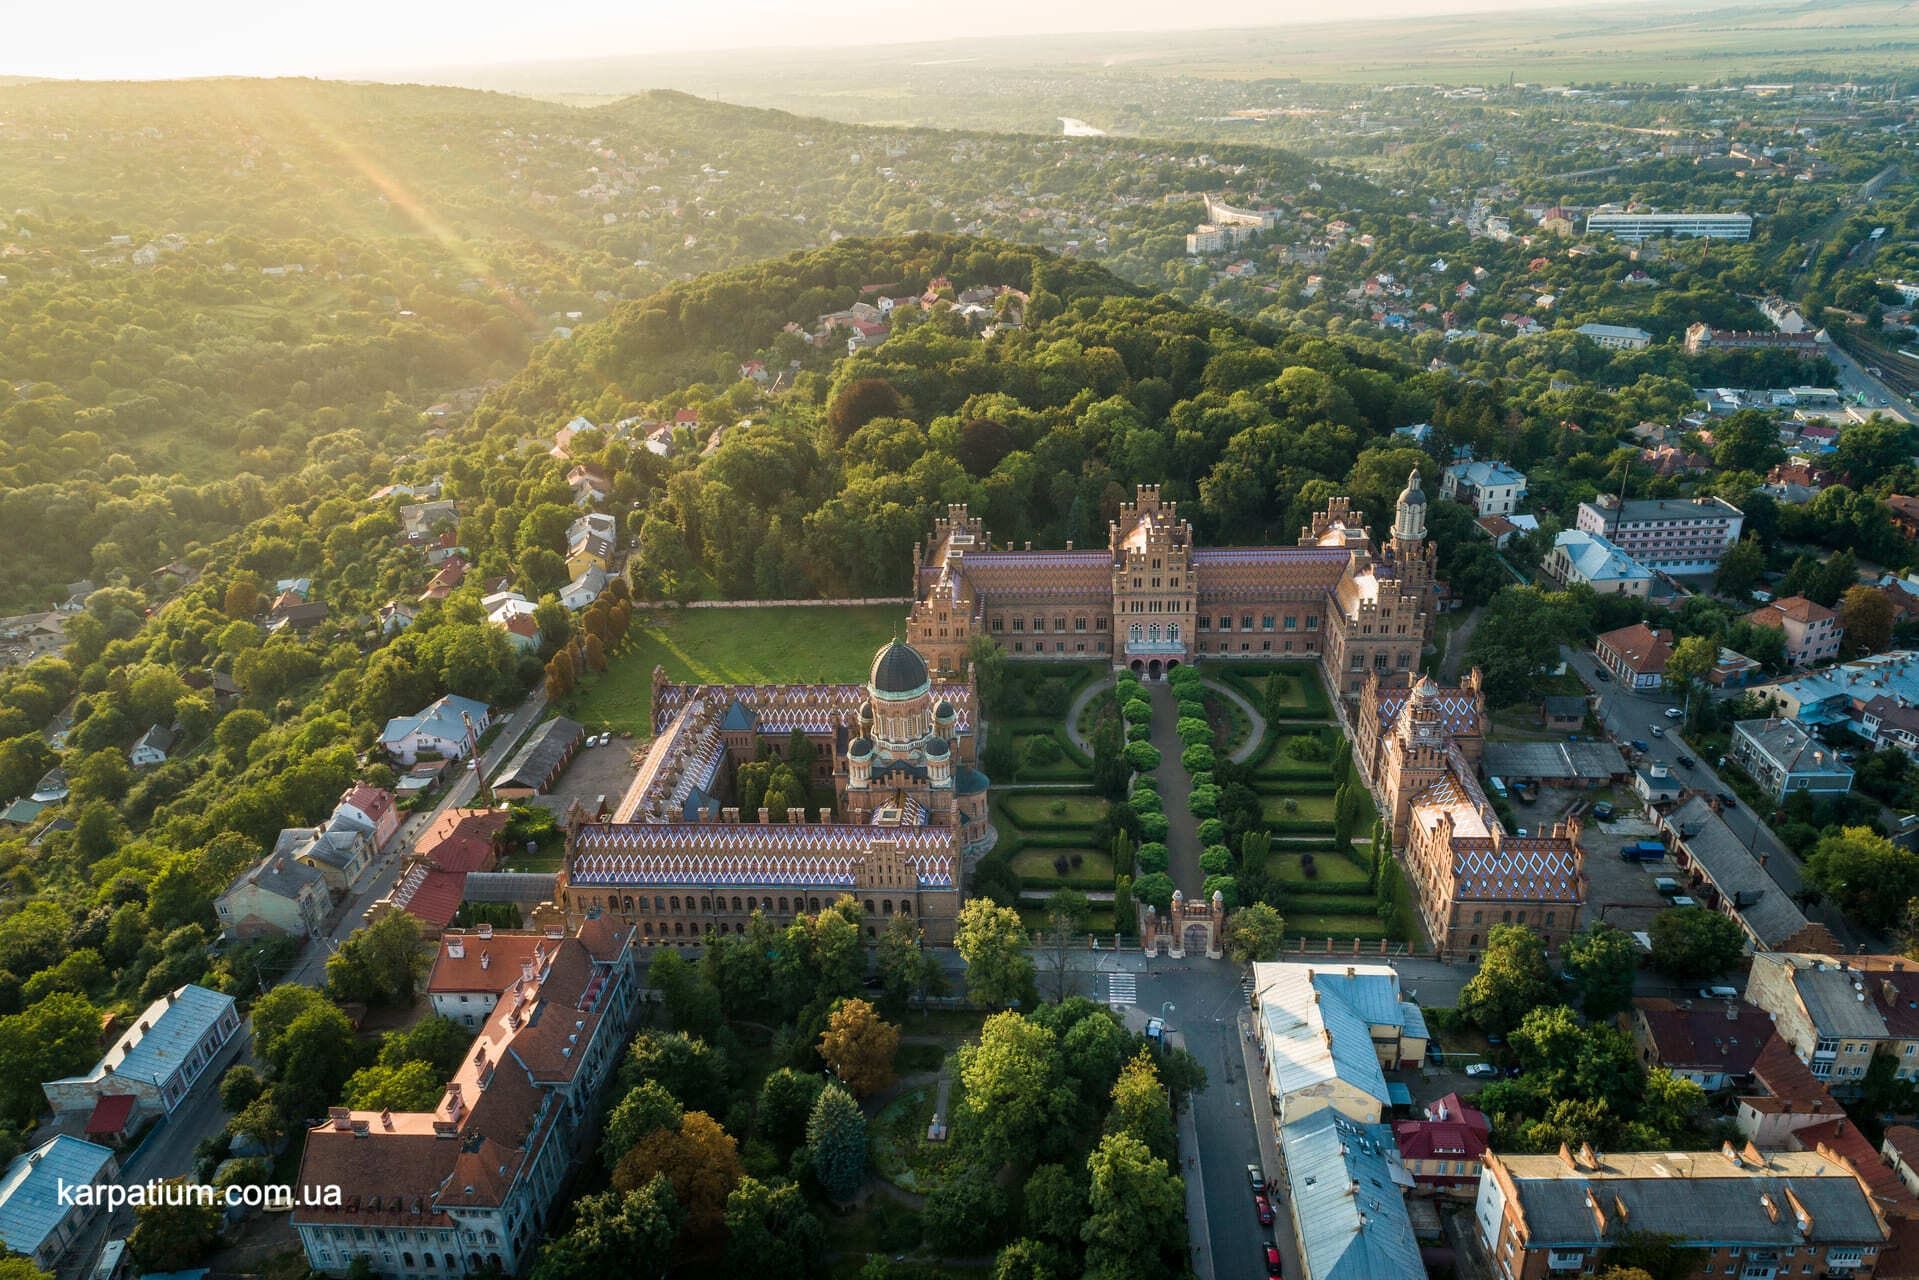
(1040, 809)
(1335, 926)
(1328, 868)
(733, 646)
(1310, 808)
(1036, 867)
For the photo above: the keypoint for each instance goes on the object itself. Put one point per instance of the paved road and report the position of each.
(1174, 788)
(385, 871)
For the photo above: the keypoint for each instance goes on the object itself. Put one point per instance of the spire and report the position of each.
(1409, 523)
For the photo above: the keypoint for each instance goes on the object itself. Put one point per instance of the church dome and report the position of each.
(1412, 495)
(937, 747)
(943, 710)
(860, 748)
(899, 670)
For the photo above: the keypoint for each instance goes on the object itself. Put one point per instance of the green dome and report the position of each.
(899, 671)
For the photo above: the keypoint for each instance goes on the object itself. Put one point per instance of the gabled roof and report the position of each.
(30, 1205)
(1317, 1024)
(1348, 1189)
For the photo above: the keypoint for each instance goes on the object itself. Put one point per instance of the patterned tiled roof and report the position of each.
(780, 708)
(1535, 869)
(1458, 711)
(749, 853)
(1271, 555)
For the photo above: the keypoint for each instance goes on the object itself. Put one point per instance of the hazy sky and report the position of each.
(119, 39)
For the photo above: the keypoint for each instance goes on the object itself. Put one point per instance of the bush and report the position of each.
(1137, 712)
(1138, 732)
(1227, 887)
(1148, 802)
(1193, 732)
(1217, 860)
(1134, 692)
(1212, 831)
(1191, 710)
(1204, 778)
(1152, 856)
(1198, 759)
(1143, 756)
(1204, 802)
(1146, 782)
(1040, 752)
(1153, 826)
(1183, 678)
(1308, 747)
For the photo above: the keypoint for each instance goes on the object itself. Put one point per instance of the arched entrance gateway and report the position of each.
(1187, 928)
(1152, 669)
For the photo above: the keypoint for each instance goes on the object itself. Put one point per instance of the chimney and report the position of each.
(526, 971)
(1566, 1157)
(486, 960)
(455, 947)
(455, 1102)
(486, 931)
(1586, 1156)
(766, 815)
(340, 1118)
(1731, 1153)
(1771, 1207)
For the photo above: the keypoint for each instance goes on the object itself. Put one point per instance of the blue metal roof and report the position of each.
(30, 1207)
(1348, 1199)
(174, 1030)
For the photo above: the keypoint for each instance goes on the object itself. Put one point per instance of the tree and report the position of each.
(316, 1055)
(771, 1232)
(966, 1212)
(1055, 1204)
(836, 1133)
(1864, 874)
(691, 1070)
(1740, 568)
(274, 1013)
(1866, 614)
(1136, 1227)
(1066, 911)
(170, 1237)
(699, 1158)
(1255, 932)
(858, 1047)
(1691, 661)
(1141, 1107)
(59, 1036)
(1602, 961)
(381, 963)
(1026, 1259)
(412, 1086)
(786, 1101)
(991, 940)
(906, 969)
(646, 1108)
(1518, 636)
(1013, 1101)
(1512, 978)
(616, 1233)
(859, 402)
(1692, 942)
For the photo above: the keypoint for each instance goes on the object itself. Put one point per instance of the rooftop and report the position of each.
(1318, 1020)
(164, 1034)
(1646, 510)
(1825, 696)
(1348, 1188)
(1640, 647)
(1595, 559)
(546, 748)
(30, 1206)
(1710, 1035)
(1791, 748)
(1761, 905)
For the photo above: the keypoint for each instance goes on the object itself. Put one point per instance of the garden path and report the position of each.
(1088, 691)
(1175, 786)
(1256, 736)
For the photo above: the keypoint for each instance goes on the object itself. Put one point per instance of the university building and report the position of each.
(1420, 744)
(1152, 598)
(681, 862)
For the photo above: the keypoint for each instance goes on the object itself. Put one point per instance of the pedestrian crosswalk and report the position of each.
(1122, 989)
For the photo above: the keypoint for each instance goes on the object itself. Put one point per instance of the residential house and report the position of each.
(1500, 529)
(371, 809)
(1489, 488)
(1904, 511)
(512, 613)
(1724, 874)
(465, 1187)
(474, 967)
(173, 1042)
(1590, 559)
(1743, 1210)
(1330, 1033)
(1901, 1150)
(1812, 631)
(591, 542)
(1732, 670)
(1837, 1011)
(450, 578)
(585, 589)
(1442, 1150)
(1346, 1196)
(40, 1216)
(418, 520)
(1783, 758)
(589, 484)
(447, 727)
(151, 748)
(1615, 337)
(1635, 655)
(396, 616)
(1712, 1043)
(278, 896)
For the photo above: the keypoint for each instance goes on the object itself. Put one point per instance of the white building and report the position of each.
(1489, 488)
(1616, 337)
(1330, 1031)
(1635, 227)
(169, 1047)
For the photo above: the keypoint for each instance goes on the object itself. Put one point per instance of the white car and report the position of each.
(1482, 1070)
(1674, 713)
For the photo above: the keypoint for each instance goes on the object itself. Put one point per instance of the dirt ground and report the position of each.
(595, 772)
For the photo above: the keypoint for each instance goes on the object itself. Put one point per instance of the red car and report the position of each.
(1272, 1260)
(1264, 1208)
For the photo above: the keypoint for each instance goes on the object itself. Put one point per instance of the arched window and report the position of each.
(675, 900)
(815, 904)
(1152, 632)
(782, 906)
(1506, 917)
(406, 1256)
(886, 906)
(613, 901)
(906, 908)
(1172, 631)
(736, 903)
(679, 929)
(659, 903)
(1132, 633)
(647, 928)
(629, 902)
(869, 906)
(706, 902)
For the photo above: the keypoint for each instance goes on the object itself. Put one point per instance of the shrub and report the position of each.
(1193, 732)
(1146, 782)
(1204, 802)
(1039, 751)
(1226, 886)
(1204, 778)
(1139, 712)
(1154, 826)
(1183, 677)
(1212, 831)
(1148, 802)
(1309, 747)
(1132, 693)
(1197, 759)
(1217, 860)
(1138, 732)
(1189, 709)
(1057, 808)
(1143, 756)
(1152, 856)
(1079, 860)
(1061, 865)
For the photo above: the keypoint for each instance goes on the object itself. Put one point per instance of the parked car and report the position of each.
(1728, 799)
(1482, 1071)
(1718, 993)
(1602, 675)
(1640, 744)
(1659, 731)
(1674, 713)
(1683, 901)
(1257, 1177)
(1272, 1260)
(1603, 810)
(1687, 762)
(1264, 1208)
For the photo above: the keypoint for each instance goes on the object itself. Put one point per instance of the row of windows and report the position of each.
(1266, 622)
(1059, 646)
(1039, 623)
(1153, 606)
(1151, 632)
(1246, 646)
(1381, 660)
(710, 902)
(701, 929)
(1171, 583)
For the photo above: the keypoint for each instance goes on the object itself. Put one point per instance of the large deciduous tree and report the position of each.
(992, 942)
(858, 1046)
(1513, 977)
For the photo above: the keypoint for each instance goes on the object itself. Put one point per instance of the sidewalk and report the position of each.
(1198, 1234)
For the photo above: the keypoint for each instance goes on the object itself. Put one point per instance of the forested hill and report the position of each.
(821, 485)
(212, 288)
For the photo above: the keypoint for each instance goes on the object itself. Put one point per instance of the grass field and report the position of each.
(1310, 808)
(1037, 868)
(733, 646)
(1042, 809)
(1328, 868)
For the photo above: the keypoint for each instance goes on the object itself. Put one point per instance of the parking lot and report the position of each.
(595, 772)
